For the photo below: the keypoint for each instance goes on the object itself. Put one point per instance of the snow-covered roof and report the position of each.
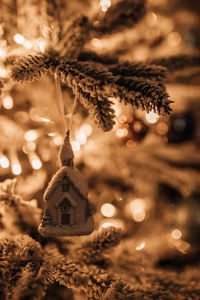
(73, 175)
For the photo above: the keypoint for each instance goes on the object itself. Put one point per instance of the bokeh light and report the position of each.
(108, 210)
(18, 38)
(7, 102)
(152, 117)
(137, 208)
(176, 234)
(16, 168)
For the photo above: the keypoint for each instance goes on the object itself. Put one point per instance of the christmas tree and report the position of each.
(122, 76)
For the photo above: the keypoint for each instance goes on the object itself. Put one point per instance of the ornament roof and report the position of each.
(74, 177)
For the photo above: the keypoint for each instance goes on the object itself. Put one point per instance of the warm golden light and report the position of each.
(45, 120)
(3, 73)
(81, 138)
(162, 128)
(75, 146)
(7, 102)
(16, 169)
(137, 208)
(86, 129)
(174, 39)
(31, 135)
(107, 224)
(122, 132)
(27, 44)
(57, 140)
(18, 38)
(2, 53)
(152, 117)
(36, 163)
(108, 210)
(104, 4)
(42, 46)
(151, 19)
(176, 234)
(4, 162)
(141, 246)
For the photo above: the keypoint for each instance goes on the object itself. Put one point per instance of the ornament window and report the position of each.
(65, 187)
(65, 219)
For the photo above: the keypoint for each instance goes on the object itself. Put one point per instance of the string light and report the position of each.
(176, 234)
(86, 129)
(15, 164)
(27, 44)
(122, 132)
(18, 38)
(107, 224)
(137, 208)
(108, 210)
(112, 222)
(36, 163)
(45, 120)
(174, 39)
(4, 162)
(42, 46)
(75, 146)
(141, 246)
(152, 117)
(3, 73)
(104, 4)
(7, 102)
(2, 53)
(81, 138)
(31, 135)
(57, 139)
(16, 168)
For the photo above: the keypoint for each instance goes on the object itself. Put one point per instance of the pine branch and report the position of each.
(75, 37)
(178, 62)
(95, 247)
(30, 68)
(143, 94)
(150, 72)
(51, 16)
(92, 281)
(96, 58)
(88, 82)
(29, 286)
(19, 248)
(125, 13)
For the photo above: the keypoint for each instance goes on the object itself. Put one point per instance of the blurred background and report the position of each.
(144, 175)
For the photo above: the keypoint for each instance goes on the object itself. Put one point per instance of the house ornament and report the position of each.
(67, 210)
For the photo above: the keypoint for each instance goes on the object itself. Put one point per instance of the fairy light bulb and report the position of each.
(122, 132)
(36, 163)
(140, 246)
(2, 53)
(31, 135)
(18, 38)
(86, 129)
(137, 208)
(107, 224)
(108, 210)
(75, 146)
(4, 162)
(81, 138)
(104, 5)
(42, 46)
(27, 44)
(176, 234)
(7, 102)
(16, 168)
(152, 117)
